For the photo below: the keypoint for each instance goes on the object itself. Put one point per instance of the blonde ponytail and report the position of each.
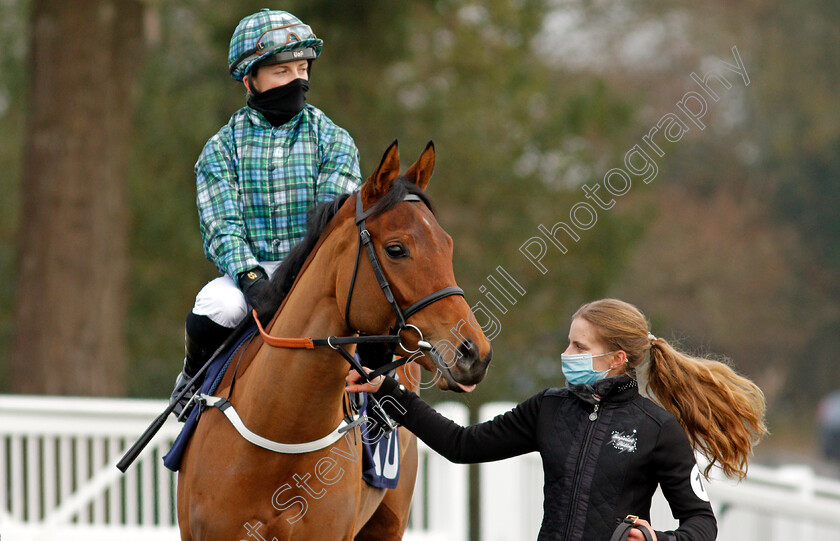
(721, 411)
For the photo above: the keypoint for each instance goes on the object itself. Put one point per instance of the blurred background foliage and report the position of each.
(731, 250)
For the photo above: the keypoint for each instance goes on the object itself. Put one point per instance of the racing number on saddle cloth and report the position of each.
(386, 456)
(381, 447)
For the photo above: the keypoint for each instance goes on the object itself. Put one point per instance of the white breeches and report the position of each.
(223, 302)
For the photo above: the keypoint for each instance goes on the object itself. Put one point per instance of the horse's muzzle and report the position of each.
(470, 368)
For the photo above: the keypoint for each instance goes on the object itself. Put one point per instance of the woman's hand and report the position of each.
(353, 385)
(636, 535)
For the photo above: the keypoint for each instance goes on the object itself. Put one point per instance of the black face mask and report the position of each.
(279, 105)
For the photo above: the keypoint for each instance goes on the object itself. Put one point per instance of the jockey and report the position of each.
(259, 177)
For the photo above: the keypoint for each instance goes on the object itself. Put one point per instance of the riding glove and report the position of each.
(256, 287)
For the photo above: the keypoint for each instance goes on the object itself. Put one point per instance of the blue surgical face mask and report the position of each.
(578, 368)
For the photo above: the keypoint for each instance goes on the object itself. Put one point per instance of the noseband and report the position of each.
(400, 314)
(338, 342)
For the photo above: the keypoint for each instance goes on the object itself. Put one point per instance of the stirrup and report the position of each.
(188, 406)
(385, 422)
(184, 405)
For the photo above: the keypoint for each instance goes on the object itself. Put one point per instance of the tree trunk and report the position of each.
(73, 252)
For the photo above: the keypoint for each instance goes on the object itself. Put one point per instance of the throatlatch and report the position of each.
(338, 342)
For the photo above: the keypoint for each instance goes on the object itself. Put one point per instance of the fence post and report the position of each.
(448, 487)
(803, 481)
(511, 491)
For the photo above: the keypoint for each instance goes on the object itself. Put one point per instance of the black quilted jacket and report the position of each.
(604, 448)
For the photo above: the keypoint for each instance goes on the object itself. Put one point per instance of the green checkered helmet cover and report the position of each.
(265, 33)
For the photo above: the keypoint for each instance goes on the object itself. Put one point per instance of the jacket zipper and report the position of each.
(593, 418)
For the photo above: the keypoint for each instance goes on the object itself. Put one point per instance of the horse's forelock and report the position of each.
(399, 189)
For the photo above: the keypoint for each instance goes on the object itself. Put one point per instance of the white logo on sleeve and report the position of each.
(697, 484)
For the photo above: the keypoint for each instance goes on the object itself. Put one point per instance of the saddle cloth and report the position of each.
(380, 455)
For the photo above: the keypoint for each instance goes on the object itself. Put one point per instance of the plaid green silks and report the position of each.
(257, 184)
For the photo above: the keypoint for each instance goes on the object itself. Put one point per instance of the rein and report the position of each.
(338, 342)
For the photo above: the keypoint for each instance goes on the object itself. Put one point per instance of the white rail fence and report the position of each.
(58, 480)
(58, 475)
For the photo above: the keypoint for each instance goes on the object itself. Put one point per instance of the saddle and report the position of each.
(380, 458)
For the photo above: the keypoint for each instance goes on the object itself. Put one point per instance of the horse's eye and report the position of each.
(396, 251)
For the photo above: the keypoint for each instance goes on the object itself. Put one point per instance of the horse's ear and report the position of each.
(380, 181)
(421, 171)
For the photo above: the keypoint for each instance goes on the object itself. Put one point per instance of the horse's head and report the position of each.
(416, 256)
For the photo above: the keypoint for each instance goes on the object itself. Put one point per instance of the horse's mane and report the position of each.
(287, 272)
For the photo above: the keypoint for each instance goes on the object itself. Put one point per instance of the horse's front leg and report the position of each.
(390, 519)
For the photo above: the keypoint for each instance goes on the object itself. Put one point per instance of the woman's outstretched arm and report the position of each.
(507, 435)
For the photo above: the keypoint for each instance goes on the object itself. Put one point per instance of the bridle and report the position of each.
(394, 337)
(337, 343)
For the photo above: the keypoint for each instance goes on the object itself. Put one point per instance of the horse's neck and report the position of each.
(295, 395)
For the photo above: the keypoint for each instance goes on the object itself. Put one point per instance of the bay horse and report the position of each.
(230, 489)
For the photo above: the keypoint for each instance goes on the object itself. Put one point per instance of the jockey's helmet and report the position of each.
(270, 37)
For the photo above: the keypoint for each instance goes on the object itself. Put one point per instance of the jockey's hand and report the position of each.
(636, 535)
(355, 384)
(256, 287)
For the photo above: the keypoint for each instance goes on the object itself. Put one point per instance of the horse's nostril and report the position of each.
(468, 348)
(470, 367)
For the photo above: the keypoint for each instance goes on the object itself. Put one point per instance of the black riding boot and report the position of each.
(203, 337)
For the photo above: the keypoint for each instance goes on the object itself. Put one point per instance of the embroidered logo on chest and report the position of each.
(625, 443)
